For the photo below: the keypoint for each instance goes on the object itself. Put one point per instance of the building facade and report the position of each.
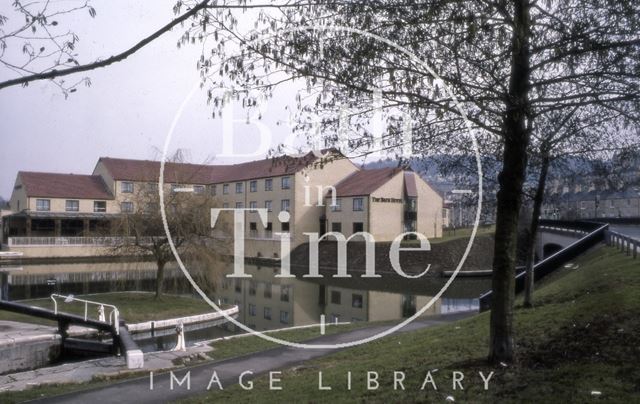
(384, 202)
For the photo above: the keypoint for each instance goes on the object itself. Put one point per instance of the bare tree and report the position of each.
(512, 64)
(185, 213)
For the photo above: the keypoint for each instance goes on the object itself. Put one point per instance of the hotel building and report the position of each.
(71, 209)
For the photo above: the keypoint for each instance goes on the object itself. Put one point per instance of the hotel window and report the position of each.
(284, 317)
(358, 227)
(267, 290)
(337, 207)
(267, 205)
(43, 205)
(411, 204)
(99, 206)
(358, 204)
(286, 182)
(583, 205)
(267, 313)
(213, 190)
(151, 207)
(336, 227)
(285, 227)
(72, 205)
(253, 229)
(284, 205)
(225, 206)
(253, 186)
(239, 205)
(225, 189)
(253, 205)
(252, 310)
(268, 184)
(198, 189)
(238, 286)
(252, 288)
(126, 187)
(268, 230)
(284, 293)
(126, 207)
(356, 301)
(336, 298)
(152, 186)
(239, 187)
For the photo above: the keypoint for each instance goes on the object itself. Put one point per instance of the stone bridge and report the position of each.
(551, 240)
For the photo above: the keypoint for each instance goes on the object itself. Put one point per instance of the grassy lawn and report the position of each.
(134, 307)
(581, 337)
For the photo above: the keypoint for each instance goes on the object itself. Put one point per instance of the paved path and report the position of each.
(228, 371)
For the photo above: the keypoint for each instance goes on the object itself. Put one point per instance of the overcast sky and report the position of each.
(128, 110)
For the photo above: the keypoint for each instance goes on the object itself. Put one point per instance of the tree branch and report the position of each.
(113, 59)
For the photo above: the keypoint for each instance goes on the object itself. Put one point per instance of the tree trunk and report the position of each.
(511, 179)
(533, 231)
(160, 278)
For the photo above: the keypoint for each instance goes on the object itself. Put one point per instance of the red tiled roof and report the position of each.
(53, 185)
(149, 171)
(364, 182)
(410, 184)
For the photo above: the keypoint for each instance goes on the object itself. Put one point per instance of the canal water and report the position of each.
(265, 301)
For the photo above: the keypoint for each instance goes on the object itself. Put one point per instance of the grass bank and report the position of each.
(134, 307)
(580, 338)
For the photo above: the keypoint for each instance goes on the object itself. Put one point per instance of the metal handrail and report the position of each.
(540, 269)
(72, 241)
(114, 314)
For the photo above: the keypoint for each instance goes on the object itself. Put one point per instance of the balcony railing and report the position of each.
(73, 241)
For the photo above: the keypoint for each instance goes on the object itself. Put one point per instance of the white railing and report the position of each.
(114, 314)
(73, 241)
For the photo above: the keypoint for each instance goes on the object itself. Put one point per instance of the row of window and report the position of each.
(285, 205)
(609, 203)
(253, 228)
(337, 227)
(358, 205)
(284, 315)
(356, 299)
(285, 291)
(285, 183)
(127, 187)
(70, 205)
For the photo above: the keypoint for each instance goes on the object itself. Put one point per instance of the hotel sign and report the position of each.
(387, 200)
